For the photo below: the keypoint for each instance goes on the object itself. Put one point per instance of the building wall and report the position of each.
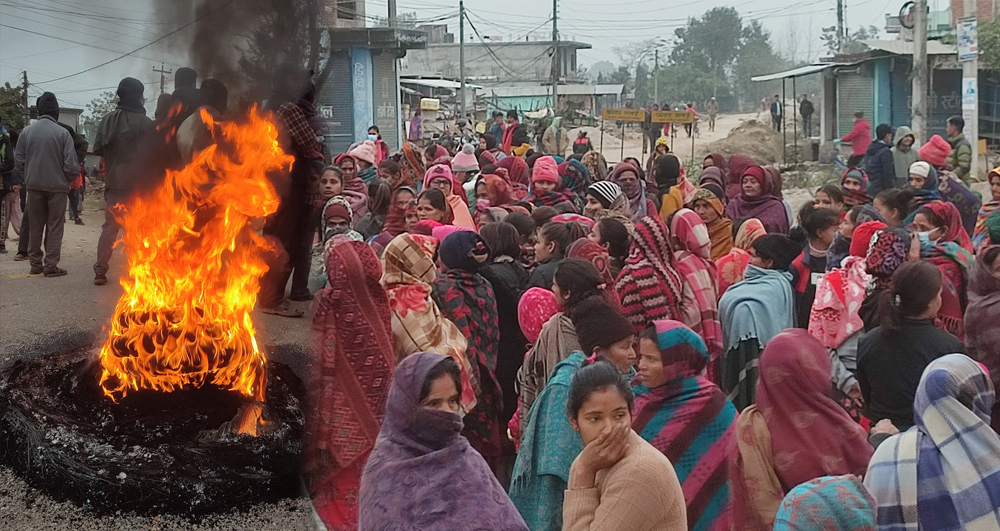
(985, 10)
(513, 62)
(342, 13)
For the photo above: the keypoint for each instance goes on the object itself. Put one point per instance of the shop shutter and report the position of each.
(855, 92)
(386, 113)
(334, 103)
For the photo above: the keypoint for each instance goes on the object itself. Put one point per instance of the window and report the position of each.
(347, 9)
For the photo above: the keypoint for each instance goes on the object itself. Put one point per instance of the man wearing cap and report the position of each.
(879, 163)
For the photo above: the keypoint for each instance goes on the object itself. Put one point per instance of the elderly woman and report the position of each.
(758, 200)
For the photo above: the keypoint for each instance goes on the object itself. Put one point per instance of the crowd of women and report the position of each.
(526, 342)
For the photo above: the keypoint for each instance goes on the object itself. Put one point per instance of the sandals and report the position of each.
(283, 311)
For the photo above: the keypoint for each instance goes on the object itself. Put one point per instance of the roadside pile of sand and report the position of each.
(752, 138)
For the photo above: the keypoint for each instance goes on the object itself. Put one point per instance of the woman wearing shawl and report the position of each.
(575, 177)
(757, 200)
(707, 203)
(412, 163)
(422, 473)
(467, 299)
(956, 192)
(795, 433)
(693, 251)
(597, 255)
(981, 234)
(841, 246)
(944, 473)
(534, 310)
(441, 177)
(349, 165)
(351, 380)
(517, 169)
(547, 187)
(605, 199)
(417, 323)
(944, 243)
(365, 160)
(650, 287)
(753, 311)
(982, 335)
(924, 183)
(672, 186)
(596, 165)
(733, 265)
(714, 160)
(889, 249)
(381, 200)
(854, 185)
(830, 503)
(498, 191)
(687, 417)
(738, 164)
(715, 175)
(626, 176)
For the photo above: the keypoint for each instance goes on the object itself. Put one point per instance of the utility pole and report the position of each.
(970, 110)
(840, 26)
(461, 53)
(163, 80)
(656, 78)
(556, 68)
(919, 111)
(392, 14)
(27, 112)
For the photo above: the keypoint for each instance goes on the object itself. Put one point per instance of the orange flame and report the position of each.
(194, 264)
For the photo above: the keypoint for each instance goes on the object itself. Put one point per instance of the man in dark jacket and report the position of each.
(879, 163)
(806, 111)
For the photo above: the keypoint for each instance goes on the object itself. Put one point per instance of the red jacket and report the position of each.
(860, 137)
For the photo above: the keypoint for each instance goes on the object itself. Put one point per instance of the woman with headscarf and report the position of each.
(715, 175)
(412, 163)
(350, 380)
(842, 239)
(982, 335)
(854, 186)
(441, 178)
(944, 243)
(422, 474)
(596, 165)
(498, 191)
(349, 165)
(575, 177)
(688, 418)
(536, 307)
(738, 164)
(547, 187)
(692, 251)
(518, 171)
(944, 473)
(830, 503)
(757, 200)
(956, 192)
(707, 203)
(467, 299)
(672, 186)
(889, 248)
(733, 265)
(714, 160)
(981, 234)
(627, 177)
(380, 194)
(923, 182)
(417, 322)
(795, 433)
(605, 199)
(650, 287)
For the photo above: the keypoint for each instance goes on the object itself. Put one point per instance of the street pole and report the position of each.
(656, 78)
(461, 54)
(840, 26)
(163, 80)
(27, 112)
(919, 89)
(392, 14)
(557, 70)
(970, 70)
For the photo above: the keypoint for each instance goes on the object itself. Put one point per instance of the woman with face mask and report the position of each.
(945, 244)
(626, 176)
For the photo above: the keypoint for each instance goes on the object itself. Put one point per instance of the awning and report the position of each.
(437, 83)
(796, 72)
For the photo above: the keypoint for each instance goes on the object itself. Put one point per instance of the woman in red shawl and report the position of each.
(693, 251)
(758, 199)
(348, 394)
(944, 243)
(795, 432)
(738, 164)
(517, 169)
(412, 163)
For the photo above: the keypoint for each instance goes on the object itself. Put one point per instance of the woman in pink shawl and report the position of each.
(692, 249)
(441, 177)
(758, 200)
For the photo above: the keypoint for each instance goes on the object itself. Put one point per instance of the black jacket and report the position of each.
(520, 136)
(509, 280)
(806, 108)
(880, 167)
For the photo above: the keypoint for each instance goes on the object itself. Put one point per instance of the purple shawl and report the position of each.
(422, 473)
(766, 207)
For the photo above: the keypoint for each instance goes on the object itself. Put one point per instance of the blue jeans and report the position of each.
(807, 122)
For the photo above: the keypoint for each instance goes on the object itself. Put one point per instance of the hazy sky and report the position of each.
(56, 38)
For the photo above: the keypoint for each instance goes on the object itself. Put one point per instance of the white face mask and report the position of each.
(321, 139)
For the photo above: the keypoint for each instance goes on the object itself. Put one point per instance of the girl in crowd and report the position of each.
(525, 225)
(692, 251)
(669, 174)
(795, 433)
(391, 172)
(432, 206)
(546, 187)
(467, 300)
(855, 187)
(829, 196)
(441, 178)
(553, 241)
(332, 184)
(714, 160)
(534, 310)
(894, 205)
(575, 281)
(575, 177)
(549, 446)
(708, 205)
(753, 311)
(981, 235)
(817, 227)
(619, 481)
(889, 249)
(944, 473)
(364, 159)
(733, 265)
(831, 503)
(626, 176)
(586, 249)
(892, 357)
(685, 416)
(614, 237)
(757, 200)
(924, 184)
(509, 280)
(380, 195)
(417, 323)
(982, 335)
(421, 449)
(944, 243)
(605, 199)
(841, 245)
(354, 358)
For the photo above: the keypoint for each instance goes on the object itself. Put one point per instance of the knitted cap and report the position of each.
(935, 151)
(598, 324)
(545, 170)
(920, 168)
(365, 151)
(465, 251)
(436, 172)
(605, 191)
(465, 160)
(862, 238)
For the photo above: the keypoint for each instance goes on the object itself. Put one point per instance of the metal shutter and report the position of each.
(855, 92)
(386, 113)
(334, 103)
(945, 100)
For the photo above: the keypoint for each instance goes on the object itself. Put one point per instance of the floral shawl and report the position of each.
(691, 421)
(596, 165)
(413, 165)
(417, 323)
(981, 235)
(733, 265)
(954, 191)
(833, 503)
(693, 262)
(835, 311)
(649, 286)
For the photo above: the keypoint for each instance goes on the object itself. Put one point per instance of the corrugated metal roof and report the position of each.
(796, 72)
(902, 47)
(564, 90)
(437, 83)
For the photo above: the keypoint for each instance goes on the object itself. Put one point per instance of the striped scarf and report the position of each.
(649, 286)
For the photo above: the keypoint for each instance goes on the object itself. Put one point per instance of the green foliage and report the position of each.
(12, 106)
(989, 45)
(97, 109)
(852, 42)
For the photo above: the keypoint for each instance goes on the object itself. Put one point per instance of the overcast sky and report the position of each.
(56, 38)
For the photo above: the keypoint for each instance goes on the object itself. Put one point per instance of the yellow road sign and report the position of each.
(673, 117)
(624, 115)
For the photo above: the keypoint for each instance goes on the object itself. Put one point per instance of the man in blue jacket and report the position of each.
(879, 164)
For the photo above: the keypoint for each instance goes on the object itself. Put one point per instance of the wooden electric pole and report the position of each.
(919, 89)
(556, 68)
(163, 80)
(461, 55)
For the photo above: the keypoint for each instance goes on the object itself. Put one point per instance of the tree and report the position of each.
(989, 44)
(756, 56)
(711, 42)
(97, 109)
(852, 41)
(643, 93)
(12, 106)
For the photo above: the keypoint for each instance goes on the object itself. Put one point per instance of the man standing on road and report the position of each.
(879, 164)
(117, 140)
(806, 111)
(777, 109)
(859, 138)
(712, 107)
(961, 150)
(47, 159)
(647, 124)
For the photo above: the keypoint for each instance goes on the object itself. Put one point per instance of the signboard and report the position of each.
(624, 115)
(969, 98)
(673, 117)
(968, 39)
(362, 90)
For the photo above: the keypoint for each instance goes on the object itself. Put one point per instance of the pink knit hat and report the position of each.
(365, 151)
(465, 160)
(436, 172)
(545, 170)
(935, 151)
